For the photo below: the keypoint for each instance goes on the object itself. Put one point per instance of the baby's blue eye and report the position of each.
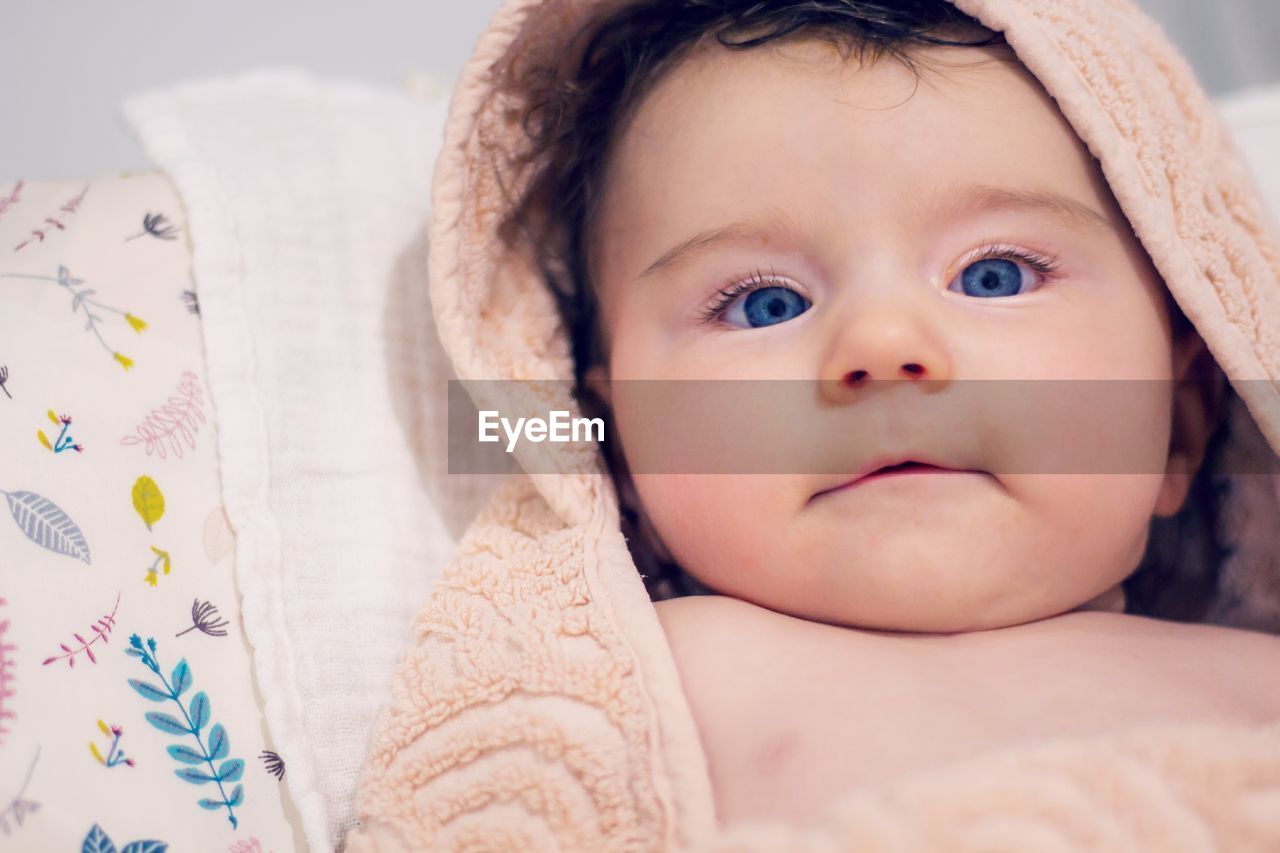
(994, 277)
(766, 306)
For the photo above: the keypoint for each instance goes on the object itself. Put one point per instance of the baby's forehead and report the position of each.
(796, 121)
(722, 98)
(810, 58)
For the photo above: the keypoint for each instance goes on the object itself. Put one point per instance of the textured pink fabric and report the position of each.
(540, 708)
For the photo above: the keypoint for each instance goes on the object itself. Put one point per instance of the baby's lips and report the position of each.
(885, 462)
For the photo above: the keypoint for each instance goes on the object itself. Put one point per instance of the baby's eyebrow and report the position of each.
(986, 198)
(965, 199)
(756, 226)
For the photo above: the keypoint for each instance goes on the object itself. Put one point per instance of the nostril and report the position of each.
(857, 375)
(913, 369)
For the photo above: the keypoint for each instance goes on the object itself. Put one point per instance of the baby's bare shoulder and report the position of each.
(716, 628)
(702, 613)
(708, 634)
(743, 666)
(719, 633)
(1229, 670)
(791, 712)
(1138, 635)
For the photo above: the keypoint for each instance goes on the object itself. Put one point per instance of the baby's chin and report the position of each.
(936, 554)
(933, 582)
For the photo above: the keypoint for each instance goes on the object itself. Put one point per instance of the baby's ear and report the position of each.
(1198, 390)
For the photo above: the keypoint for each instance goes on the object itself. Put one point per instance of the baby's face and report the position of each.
(902, 236)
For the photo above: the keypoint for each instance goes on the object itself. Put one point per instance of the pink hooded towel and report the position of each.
(539, 707)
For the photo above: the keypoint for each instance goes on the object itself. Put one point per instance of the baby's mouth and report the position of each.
(904, 468)
(897, 469)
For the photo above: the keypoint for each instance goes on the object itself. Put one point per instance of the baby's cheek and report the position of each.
(711, 524)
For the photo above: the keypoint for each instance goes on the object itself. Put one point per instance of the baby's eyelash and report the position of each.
(738, 286)
(1045, 264)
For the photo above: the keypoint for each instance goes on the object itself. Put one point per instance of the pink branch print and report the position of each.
(101, 629)
(12, 199)
(6, 677)
(68, 208)
(174, 423)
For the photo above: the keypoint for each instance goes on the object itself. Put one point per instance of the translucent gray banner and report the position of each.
(829, 427)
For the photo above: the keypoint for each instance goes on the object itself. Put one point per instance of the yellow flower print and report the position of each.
(124, 360)
(63, 441)
(115, 755)
(137, 322)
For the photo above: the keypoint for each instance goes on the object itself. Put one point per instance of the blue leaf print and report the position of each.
(145, 847)
(181, 678)
(167, 723)
(185, 754)
(45, 524)
(196, 713)
(97, 842)
(147, 691)
(199, 711)
(195, 777)
(219, 743)
(231, 771)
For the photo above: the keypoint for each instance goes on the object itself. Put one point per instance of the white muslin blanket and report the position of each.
(307, 202)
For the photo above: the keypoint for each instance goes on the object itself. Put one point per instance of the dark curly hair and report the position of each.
(581, 101)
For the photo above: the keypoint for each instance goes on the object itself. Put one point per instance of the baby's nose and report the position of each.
(886, 341)
(910, 370)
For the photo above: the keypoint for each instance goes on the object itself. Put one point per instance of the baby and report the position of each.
(879, 197)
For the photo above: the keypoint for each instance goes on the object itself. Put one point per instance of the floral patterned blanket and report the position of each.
(129, 718)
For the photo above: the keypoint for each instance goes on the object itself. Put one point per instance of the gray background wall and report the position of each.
(67, 65)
